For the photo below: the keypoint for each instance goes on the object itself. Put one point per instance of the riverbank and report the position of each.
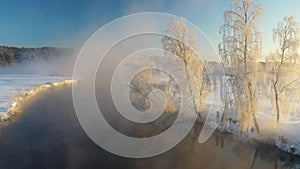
(20, 100)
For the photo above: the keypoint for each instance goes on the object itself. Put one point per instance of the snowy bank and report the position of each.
(285, 137)
(16, 90)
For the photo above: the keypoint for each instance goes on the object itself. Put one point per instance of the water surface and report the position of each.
(49, 136)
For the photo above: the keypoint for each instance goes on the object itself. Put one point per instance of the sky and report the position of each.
(69, 23)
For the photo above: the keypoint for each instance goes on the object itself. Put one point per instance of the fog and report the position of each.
(52, 66)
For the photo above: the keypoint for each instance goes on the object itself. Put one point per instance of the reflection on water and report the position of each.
(48, 135)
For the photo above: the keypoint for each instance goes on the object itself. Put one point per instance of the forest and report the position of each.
(12, 55)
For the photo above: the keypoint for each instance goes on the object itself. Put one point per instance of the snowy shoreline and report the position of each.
(280, 140)
(17, 102)
(284, 136)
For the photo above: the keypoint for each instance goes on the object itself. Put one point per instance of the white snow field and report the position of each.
(15, 89)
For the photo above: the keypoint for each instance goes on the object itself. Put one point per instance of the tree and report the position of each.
(182, 43)
(240, 48)
(12, 55)
(286, 34)
(143, 83)
(140, 84)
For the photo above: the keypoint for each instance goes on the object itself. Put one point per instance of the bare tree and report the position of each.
(286, 35)
(240, 48)
(182, 43)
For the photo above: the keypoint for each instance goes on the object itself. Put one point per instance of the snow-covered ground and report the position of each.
(13, 87)
(286, 136)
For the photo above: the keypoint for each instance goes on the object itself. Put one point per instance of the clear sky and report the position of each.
(34, 23)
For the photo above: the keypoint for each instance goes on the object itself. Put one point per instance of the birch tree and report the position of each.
(286, 35)
(182, 43)
(239, 49)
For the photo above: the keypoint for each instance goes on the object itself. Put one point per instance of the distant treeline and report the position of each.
(11, 55)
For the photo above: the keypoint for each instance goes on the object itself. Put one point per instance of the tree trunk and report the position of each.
(194, 103)
(191, 90)
(252, 107)
(277, 104)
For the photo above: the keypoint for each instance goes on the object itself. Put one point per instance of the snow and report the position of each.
(286, 136)
(14, 88)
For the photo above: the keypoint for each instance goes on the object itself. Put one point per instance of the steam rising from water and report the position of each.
(20, 82)
(61, 66)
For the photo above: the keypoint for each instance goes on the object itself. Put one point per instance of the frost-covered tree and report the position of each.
(140, 83)
(181, 41)
(144, 82)
(286, 35)
(240, 48)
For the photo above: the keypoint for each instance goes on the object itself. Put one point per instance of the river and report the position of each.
(48, 135)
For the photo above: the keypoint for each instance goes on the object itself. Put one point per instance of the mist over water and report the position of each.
(60, 66)
(48, 135)
(19, 80)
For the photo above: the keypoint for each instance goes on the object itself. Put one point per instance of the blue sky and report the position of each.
(34, 23)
